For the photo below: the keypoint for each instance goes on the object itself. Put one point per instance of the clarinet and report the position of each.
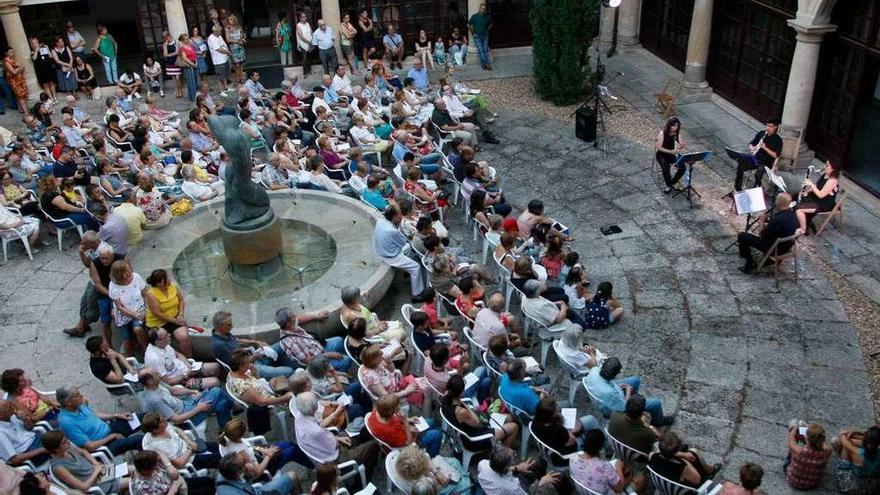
(801, 194)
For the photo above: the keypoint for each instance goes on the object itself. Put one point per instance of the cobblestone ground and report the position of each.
(731, 355)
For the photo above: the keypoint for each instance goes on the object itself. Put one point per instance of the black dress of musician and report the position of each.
(767, 145)
(667, 145)
(783, 224)
(821, 196)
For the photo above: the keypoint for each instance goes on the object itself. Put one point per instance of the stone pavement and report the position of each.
(731, 355)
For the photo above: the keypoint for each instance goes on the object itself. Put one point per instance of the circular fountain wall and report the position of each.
(327, 244)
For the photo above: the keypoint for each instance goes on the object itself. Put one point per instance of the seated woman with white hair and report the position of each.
(323, 446)
(572, 350)
(193, 187)
(419, 474)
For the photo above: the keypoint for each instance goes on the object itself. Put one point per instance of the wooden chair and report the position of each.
(774, 258)
(829, 215)
(666, 97)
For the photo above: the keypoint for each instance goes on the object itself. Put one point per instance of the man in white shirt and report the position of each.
(326, 43)
(555, 316)
(130, 82)
(319, 101)
(173, 367)
(17, 443)
(304, 42)
(498, 475)
(76, 40)
(196, 190)
(220, 56)
(341, 82)
(71, 133)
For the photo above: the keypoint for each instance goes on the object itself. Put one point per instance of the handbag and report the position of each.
(341, 421)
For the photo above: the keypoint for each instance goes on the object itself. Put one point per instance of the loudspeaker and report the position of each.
(270, 75)
(585, 124)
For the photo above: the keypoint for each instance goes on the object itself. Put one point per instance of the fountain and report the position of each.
(253, 252)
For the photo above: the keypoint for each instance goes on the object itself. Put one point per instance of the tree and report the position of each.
(562, 31)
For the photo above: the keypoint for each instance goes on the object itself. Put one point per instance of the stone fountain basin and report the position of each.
(349, 222)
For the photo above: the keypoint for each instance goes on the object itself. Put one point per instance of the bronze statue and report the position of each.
(247, 203)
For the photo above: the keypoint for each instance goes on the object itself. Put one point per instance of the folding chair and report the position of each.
(773, 255)
(666, 97)
(829, 215)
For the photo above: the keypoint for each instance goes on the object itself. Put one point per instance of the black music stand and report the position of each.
(688, 159)
(760, 207)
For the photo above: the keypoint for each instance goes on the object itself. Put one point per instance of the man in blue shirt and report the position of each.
(389, 244)
(92, 430)
(223, 343)
(612, 394)
(515, 391)
(393, 47)
(419, 75)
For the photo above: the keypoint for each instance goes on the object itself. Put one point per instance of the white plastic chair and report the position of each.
(347, 470)
(603, 413)
(475, 348)
(279, 413)
(457, 434)
(546, 334)
(418, 355)
(575, 374)
(668, 487)
(387, 449)
(394, 477)
(624, 452)
(548, 453)
(12, 235)
(581, 488)
(524, 419)
(61, 225)
(368, 149)
(118, 390)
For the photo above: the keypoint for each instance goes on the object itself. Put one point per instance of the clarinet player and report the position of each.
(765, 148)
(667, 147)
(821, 196)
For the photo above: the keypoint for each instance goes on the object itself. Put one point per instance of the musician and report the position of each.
(821, 196)
(667, 146)
(783, 224)
(766, 147)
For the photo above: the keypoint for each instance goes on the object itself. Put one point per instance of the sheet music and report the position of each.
(776, 179)
(569, 415)
(469, 380)
(749, 201)
(497, 420)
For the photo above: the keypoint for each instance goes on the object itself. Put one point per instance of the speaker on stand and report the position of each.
(585, 124)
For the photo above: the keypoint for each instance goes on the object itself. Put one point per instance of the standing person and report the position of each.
(393, 47)
(304, 42)
(667, 146)
(365, 40)
(105, 47)
(766, 147)
(282, 39)
(188, 60)
(348, 33)
(170, 52)
(236, 39)
(5, 91)
(85, 76)
(44, 66)
(220, 57)
(75, 40)
(201, 47)
(325, 41)
(15, 76)
(424, 49)
(479, 26)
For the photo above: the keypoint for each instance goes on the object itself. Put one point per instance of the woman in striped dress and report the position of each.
(170, 52)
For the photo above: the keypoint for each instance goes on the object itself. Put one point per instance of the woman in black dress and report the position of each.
(63, 58)
(85, 76)
(44, 66)
(667, 145)
(365, 41)
(821, 196)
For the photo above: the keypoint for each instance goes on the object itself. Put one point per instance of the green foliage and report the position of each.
(562, 31)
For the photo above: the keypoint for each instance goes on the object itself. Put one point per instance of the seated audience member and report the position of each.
(612, 394)
(300, 346)
(750, 477)
(632, 427)
(17, 443)
(58, 207)
(438, 370)
(274, 176)
(90, 429)
(374, 194)
(685, 466)
(422, 475)
(784, 223)
(76, 468)
(106, 364)
(378, 376)
(195, 188)
(31, 405)
(224, 343)
(549, 426)
(130, 83)
(330, 412)
(165, 306)
(230, 479)
(517, 392)
(258, 458)
(195, 407)
(244, 383)
(155, 474)
(353, 307)
(859, 465)
(572, 349)
(425, 336)
(492, 320)
(469, 299)
(323, 445)
(467, 420)
(499, 475)
(174, 368)
(388, 425)
(524, 270)
(555, 315)
(428, 299)
(807, 456)
(589, 469)
(499, 355)
(317, 177)
(174, 444)
(533, 215)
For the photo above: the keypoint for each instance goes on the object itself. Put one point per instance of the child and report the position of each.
(440, 51)
(572, 259)
(576, 289)
(428, 298)
(70, 193)
(603, 309)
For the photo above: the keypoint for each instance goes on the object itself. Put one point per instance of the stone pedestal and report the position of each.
(254, 254)
(18, 40)
(698, 47)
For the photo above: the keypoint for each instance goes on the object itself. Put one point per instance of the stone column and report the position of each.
(802, 76)
(176, 18)
(17, 39)
(473, 8)
(629, 21)
(698, 46)
(330, 14)
(606, 33)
